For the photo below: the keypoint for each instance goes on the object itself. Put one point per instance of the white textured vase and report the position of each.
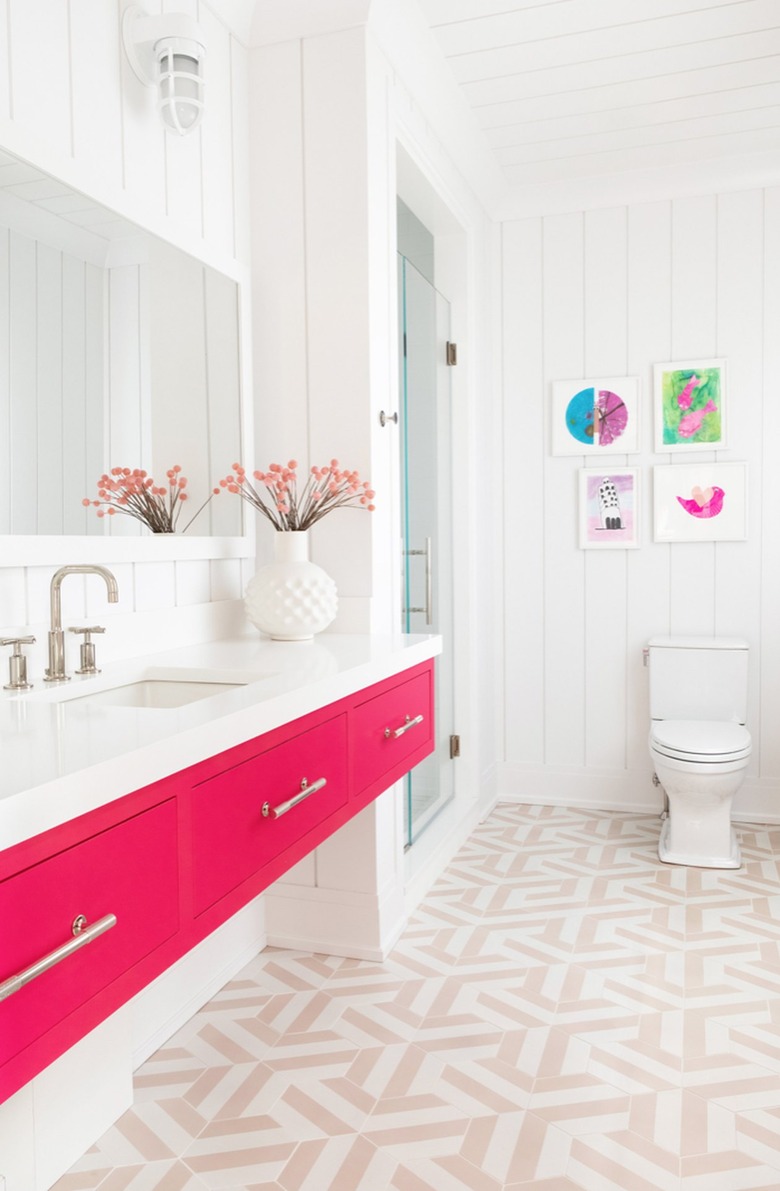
(291, 598)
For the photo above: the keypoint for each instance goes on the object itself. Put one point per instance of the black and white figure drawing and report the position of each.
(609, 505)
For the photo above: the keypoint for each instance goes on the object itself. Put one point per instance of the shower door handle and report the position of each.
(428, 607)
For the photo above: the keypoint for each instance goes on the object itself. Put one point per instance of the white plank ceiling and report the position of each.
(570, 89)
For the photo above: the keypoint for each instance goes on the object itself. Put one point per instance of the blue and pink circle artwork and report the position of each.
(596, 417)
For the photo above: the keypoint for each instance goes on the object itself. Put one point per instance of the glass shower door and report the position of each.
(426, 487)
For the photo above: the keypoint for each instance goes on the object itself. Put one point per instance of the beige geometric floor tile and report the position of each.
(517, 1147)
(758, 1136)
(563, 1013)
(154, 1176)
(151, 1131)
(727, 1172)
(624, 1159)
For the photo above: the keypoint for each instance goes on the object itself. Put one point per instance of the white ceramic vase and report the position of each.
(291, 598)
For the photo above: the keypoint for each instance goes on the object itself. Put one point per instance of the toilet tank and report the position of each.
(698, 678)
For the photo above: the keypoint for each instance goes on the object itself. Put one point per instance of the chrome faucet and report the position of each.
(55, 671)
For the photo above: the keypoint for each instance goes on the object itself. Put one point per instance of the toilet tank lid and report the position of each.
(697, 643)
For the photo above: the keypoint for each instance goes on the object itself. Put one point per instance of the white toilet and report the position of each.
(699, 744)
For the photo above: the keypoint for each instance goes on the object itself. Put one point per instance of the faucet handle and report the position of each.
(18, 663)
(87, 648)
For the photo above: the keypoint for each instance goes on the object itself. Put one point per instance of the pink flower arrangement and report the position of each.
(135, 494)
(325, 489)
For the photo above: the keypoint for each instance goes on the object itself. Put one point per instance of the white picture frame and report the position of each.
(596, 416)
(605, 497)
(700, 502)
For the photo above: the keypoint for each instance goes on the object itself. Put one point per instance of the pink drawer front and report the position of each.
(393, 731)
(129, 872)
(232, 837)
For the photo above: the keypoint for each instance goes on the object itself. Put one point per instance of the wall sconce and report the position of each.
(167, 52)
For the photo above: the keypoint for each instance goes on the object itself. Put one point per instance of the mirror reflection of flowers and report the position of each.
(279, 500)
(135, 494)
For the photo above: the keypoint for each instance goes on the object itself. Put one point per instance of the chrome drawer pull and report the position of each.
(409, 723)
(276, 812)
(82, 933)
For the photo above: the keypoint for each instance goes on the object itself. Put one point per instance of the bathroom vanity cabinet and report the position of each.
(173, 860)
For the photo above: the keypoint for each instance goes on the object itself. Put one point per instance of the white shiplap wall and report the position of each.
(611, 292)
(70, 105)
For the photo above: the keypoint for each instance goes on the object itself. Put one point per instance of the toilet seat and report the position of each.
(700, 741)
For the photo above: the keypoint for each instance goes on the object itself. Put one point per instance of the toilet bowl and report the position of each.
(700, 762)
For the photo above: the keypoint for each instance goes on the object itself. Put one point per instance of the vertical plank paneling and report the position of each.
(564, 570)
(694, 335)
(126, 393)
(740, 341)
(41, 96)
(178, 365)
(337, 215)
(143, 136)
(524, 516)
(76, 484)
(96, 385)
(184, 155)
(277, 235)
(223, 399)
(605, 570)
(23, 364)
(5, 384)
(97, 104)
(649, 339)
(768, 662)
(49, 389)
(240, 102)
(5, 64)
(217, 139)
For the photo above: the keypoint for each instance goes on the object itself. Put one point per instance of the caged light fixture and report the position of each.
(167, 52)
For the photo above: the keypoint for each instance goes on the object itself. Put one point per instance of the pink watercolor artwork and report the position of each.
(707, 502)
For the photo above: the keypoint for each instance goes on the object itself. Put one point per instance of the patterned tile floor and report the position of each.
(562, 1013)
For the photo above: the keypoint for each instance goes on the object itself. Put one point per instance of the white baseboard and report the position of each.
(162, 1008)
(333, 921)
(757, 801)
(420, 881)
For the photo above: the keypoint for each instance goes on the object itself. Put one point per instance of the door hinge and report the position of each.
(454, 747)
(452, 353)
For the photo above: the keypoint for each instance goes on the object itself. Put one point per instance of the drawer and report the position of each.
(129, 871)
(393, 731)
(251, 813)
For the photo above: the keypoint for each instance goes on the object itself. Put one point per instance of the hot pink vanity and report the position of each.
(107, 900)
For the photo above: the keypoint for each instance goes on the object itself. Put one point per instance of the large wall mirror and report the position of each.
(116, 350)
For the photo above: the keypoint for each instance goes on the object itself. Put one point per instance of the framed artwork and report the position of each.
(596, 417)
(700, 502)
(690, 406)
(608, 508)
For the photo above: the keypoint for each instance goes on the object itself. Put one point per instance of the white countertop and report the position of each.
(60, 758)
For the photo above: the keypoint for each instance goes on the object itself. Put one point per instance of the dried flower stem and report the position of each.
(134, 494)
(279, 501)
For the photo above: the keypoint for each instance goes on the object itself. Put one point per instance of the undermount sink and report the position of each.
(156, 692)
(158, 688)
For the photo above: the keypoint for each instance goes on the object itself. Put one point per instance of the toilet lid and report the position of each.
(701, 740)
